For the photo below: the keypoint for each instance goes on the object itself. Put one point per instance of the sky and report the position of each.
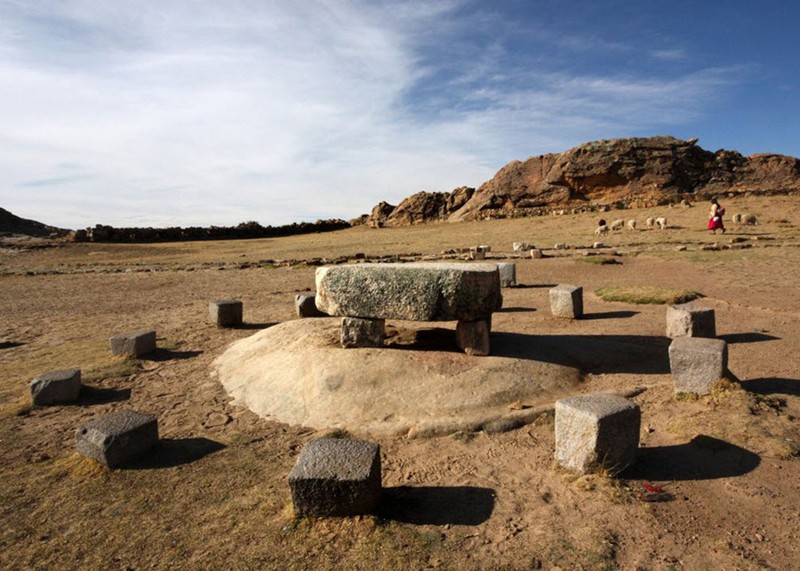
(199, 112)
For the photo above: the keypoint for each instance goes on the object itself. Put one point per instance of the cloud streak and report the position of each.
(162, 113)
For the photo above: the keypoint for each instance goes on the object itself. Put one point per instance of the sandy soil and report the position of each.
(716, 484)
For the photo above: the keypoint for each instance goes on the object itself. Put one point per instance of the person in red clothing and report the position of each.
(715, 215)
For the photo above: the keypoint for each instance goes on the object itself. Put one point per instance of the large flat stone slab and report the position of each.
(414, 292)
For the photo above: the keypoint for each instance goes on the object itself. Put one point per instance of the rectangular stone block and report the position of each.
(134, 344)
(697, 363)
(688, 320)
(415, 292)
(118, 438)
(597, 431)
(357, 332)
(56, 387)
(521, 246)
(336, 477)
(226, 312)
(536, 254)
(306, 306)
(473, 337)
(567, 301)
(476, 253)
(508, 274)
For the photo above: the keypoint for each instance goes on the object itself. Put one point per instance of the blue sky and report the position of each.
(195, 112)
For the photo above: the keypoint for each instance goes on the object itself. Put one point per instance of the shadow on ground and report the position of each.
(732, 338)
(429, 505)
(515, 309)
(772, 385)
(610, 315)
(96, 395)
(703, 458)
(590, 353)
(171, 452)
(532, 286)
(160, 355)
(252, 326)
(9, 344)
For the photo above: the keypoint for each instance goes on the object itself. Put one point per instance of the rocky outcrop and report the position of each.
(12, 224)
(620, 172)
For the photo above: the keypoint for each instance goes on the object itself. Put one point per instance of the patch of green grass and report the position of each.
(646, 294)
(599, 260)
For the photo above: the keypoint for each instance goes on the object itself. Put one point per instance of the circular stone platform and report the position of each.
(420, 385)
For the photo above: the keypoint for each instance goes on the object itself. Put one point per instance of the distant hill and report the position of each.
(635, 172)
(12, 224)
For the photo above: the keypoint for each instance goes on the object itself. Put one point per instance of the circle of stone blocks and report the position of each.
(688, 320)
(134, 344)
(597, 431)
(508, 274)
(306, 306)
(536, 254)
(697, 363)
(358, 332)
(226, 312)
(118, 437)
(566, 301)
(56, 387)
(472, 337)
(336, 477)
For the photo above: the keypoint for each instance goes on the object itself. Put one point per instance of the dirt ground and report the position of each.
(716, 484)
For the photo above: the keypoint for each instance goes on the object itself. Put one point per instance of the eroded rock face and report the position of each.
(634, 172)
(416, 292)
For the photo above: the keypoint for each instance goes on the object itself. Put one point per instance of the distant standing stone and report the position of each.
(306, 306)
(521, 246)
(226, 312)
(477, 253)
(536, 254)
(56, 387)
(567, 301)
(336, 477)
(697, 363)
(134, 344)
(508, 274)
(688, 320)
(560, 246)
(597, 430)
(118, 438)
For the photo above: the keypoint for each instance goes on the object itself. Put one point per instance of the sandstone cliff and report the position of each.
(623, 172)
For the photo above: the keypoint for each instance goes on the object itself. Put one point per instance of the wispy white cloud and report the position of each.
(167, 112)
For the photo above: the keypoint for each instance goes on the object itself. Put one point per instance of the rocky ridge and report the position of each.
(621, 173)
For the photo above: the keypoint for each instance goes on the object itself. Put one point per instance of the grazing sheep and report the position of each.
(649, 222)
(617, 224)
(750, 219)
(661, 222)
(601, 230)
(737, 218)
(632, 225)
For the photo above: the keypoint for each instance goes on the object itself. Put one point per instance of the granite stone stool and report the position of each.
(134, 344)
(477, 253)
(357, 332)
(597, 430)
(56, 387)
(536, 254)
(567, 301)
(687, 320)
(117, 438)
(697, 363)
(226, 312)
(521, 246)
(508, 274)
(472, 337)
(336, 477)
(306, 306)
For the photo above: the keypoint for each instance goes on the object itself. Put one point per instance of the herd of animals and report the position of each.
(661, 223)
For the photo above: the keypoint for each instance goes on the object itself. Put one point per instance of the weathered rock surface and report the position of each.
(118, 437)
(336, 477)
(633, 172)
(416, 292)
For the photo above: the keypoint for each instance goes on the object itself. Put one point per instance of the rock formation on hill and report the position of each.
(619, 172)
(12, 224)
